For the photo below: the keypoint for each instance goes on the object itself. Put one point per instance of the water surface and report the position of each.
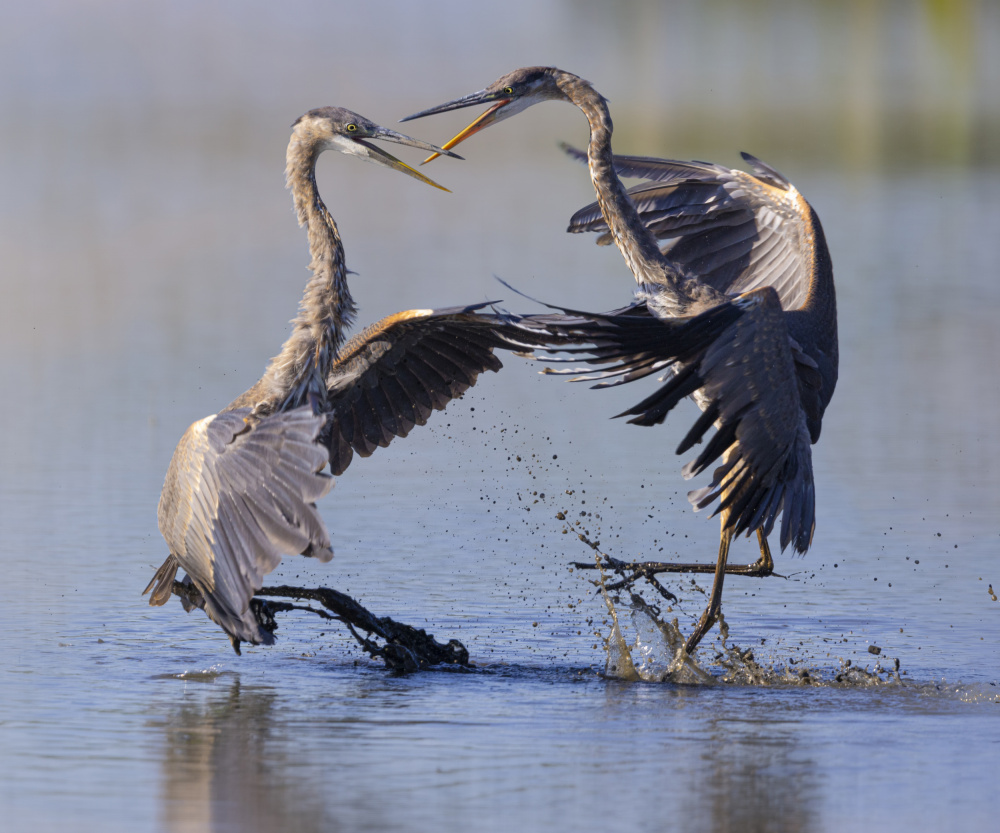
(151, 262)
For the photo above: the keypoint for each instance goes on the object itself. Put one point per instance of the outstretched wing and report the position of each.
(744, 370)
(239, 494)
(396, 372)
(730, 229)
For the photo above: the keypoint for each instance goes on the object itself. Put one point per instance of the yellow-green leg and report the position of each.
(764, 566)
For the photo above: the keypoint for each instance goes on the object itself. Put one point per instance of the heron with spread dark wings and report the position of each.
(735, 302)
(241, 487)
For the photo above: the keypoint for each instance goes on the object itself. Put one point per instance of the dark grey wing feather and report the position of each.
(744, 370)
(732, 230)
(747, 384)
(632, 342)
(391, 376)
(239, 494)
(750, 378)
(765, 172)
(655, 169)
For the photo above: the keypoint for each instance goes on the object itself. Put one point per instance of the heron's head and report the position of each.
(509, 95)
(334, 128)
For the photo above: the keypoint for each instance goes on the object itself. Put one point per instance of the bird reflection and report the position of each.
(727, 764)
(221, 770)
(755, 777)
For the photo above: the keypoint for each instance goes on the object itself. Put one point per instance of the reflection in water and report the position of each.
(220, 769)
(231, 759)
(725, 760)
(756, 778)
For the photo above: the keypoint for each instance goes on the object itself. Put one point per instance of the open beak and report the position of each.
(362, 148)
(491, 116)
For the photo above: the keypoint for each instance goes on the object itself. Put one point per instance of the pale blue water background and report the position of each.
(150, 262)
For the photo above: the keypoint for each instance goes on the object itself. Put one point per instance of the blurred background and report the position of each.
(150, 262)
(149, 251)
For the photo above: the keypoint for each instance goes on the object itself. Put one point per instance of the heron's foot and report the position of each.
(761, 568)
(708, 619)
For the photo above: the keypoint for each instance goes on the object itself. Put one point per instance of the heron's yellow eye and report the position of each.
(508, 91)
(351, 128)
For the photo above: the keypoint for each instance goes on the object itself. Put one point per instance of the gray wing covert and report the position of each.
(732, 230)
(239, 494)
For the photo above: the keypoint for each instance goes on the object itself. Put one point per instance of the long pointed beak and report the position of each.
(485, 120)
(471, 100)
(380, 157)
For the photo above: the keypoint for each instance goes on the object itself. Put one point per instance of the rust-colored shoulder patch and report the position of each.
(804, 210)
(372, 331)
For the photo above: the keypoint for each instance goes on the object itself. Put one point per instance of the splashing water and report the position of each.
(657, 651)
(641, 645)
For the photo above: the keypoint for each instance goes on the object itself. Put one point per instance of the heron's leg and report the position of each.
(764, 566)
(715, 600)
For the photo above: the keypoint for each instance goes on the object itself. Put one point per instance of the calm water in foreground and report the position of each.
(149, 275)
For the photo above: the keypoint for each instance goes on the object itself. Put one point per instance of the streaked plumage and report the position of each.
(738, 305)
(241, 488)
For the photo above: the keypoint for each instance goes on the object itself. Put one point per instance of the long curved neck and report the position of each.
(633, 239)
(297, 375)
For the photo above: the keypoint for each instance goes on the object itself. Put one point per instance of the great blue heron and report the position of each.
(241, 487)
(739, 305)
